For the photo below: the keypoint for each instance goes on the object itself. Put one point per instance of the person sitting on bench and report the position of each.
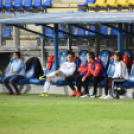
(82, 71)
(96, 73)
(120, 75)
(67, 69)
(127, 60)
(14, 73)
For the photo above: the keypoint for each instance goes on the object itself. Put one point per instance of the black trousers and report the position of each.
(112, 82)
(76, 78)
(92, 79)
(79, 82)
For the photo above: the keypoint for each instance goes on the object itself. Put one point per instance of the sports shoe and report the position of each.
(17, 93)
(43, 95)
(108, 97)
(85, 96)
(78, 94)
(74, 93)
(102, 96)
(42, 77)
(10, 93)
(93, 96)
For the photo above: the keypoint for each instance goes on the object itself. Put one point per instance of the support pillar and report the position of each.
(0, 35)
(69, 39)
(16, 38)
(56, 52)
(126, 41)
(43, 56)
(120, 38)
(131, 39)
(97, 41)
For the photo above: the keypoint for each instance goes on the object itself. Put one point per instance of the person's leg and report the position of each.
(78, 80)
(47, 85)
(85, 85)
(95, 83)
(106, 81)
(95, 80)
(5, 81)
(112, 83)
(69, 81)
(51, 77)
(14, 80)
(117, 81)
(53, 74)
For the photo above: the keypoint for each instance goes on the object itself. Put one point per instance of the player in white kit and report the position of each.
(67, 69)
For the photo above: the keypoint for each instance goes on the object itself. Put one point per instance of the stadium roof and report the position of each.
(71, 18)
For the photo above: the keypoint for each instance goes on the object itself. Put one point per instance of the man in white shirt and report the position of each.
(120, 76)
(67, 69)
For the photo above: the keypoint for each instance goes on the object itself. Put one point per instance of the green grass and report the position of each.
(58, 114)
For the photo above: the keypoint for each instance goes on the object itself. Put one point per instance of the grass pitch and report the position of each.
(58, 114)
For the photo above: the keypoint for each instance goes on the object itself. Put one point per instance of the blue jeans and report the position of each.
(13, 80)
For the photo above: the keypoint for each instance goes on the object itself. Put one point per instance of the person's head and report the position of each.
(87, 56)
(16, 55)
(90, 57)
(70, 57)
(117, 56)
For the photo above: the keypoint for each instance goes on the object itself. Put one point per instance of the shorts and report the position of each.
(56, 78)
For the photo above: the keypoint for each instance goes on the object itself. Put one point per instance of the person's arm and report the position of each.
(8, 69)
(85, 69)
(81, 68)
(62, 65)
(115, 72)
(18, 67)
(12, 71)
(126, 73)
(98, 68)
(88, 73)
(72, 70)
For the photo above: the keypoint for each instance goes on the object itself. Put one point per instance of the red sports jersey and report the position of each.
(95, 72)
(83, 68)
(128, 61)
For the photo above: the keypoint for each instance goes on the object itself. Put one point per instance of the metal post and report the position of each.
(97, 41)
(126, 41)
(130, 8)
(0, 35)
(131, 39)
(56, 46)
(16, 38)
(120, 38)
(69, 39)
(43, 40)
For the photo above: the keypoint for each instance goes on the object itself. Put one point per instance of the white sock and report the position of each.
(51, 74)
(46, 87)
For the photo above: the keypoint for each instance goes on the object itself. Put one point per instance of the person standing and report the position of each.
(15, 72)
